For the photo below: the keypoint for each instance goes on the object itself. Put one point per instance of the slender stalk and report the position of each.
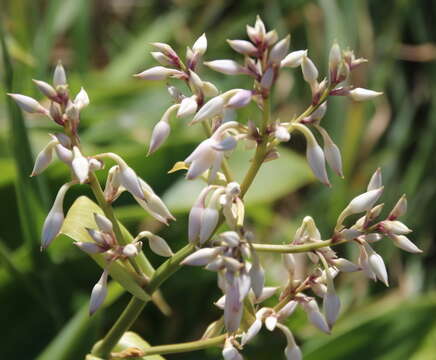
(124, 322)
(296, 248)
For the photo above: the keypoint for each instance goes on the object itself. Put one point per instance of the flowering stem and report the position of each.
(297, 248)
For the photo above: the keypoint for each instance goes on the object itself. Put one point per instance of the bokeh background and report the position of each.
(102, 43)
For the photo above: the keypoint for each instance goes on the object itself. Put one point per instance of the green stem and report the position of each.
(296, 248)
(124, 322)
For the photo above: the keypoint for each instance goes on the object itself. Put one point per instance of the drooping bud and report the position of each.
(130, 250)
(209, 222)
(65, 155)
(331, 304)
(279, 50)
(360, 94)
(240, 99)
(158, 245)
(160, 133)
(377, 265)
(332, 152)
(287, 310)
(28, 104)
(228, 67)
(55, 218)
(292, 351)
(252, 331)
(230, 238)
(271, 322)
(344, 265)
(98, 294)
(80, 165)
(293, 59)
(243, 47)
(315, 316)
(257, 275)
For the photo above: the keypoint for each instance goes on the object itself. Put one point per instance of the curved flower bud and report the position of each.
(131, 250)
(55, 218)
(157, 73)
(213, 107)
(293, 59)
(228, 67)
(201, 257)
(44, 158)
(332, 152)
(282, 134)
(112, 187)
(315, 316)
(287, 310)
(344, 265)
(157, 244)
(243, 47)
(161, 58)
(331, 303)
(160, 133)
(377, 265)
(257, 275)
(45, 88)
(80, 165)
(200, 45)
(279, 50)
(230, 353)
(82, 99)
(271, 322)
(399, 209)
(360, 94)
(292, 351)
(310, 72)
(240, 99)
(209, 222)
(65, 155)
(188, 106)
(29, 104)
(98, 294)
(209, 89)
(405, 244)
(252, 331)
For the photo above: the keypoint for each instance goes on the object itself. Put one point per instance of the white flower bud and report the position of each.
(28, 104)
(271, 322)
(345, 265)
(282, 134)
(405, 244)
(373, 237)
(213, 107)
(228, 67)
(188, 106)
(230, 353)
(231, 238)
(100, 237)
(59, 75)
(335, 57)
(399, 209)
(287, 310)
(331, 305)
(89, 248)
(130, 181)
(240, 99)
(310, 72)
(157, 73)
(394, 227)
(279, 50)
(82, 99)
(364, 202)
(252, 331)
(271, 37)
(130, 250)
(315, 316)
(209, 89)
(376, 180)
(64, 154)
(95, 164)
(289, 263)
(267, 292)
(293, 353)
(201, 257)
(332, 152)
(161, 58)
(267, 78)
(44, 158)
(45, 88)
(209, 222)
(243, 47)
(103, 223)
(165, 48)
(55, 218)
(160, 133)
(293, 59)
(200, 45)
(257, 275)
(98, 294)
(80, 165)
(159, 246)
(360, 94)
(377, 265)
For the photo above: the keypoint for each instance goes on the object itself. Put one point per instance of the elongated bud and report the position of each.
(331, 304)
(405, 244)
(158, 245)
(332, 152)
(160, 133)
(112, 187)
(267, 292)
(209, 89)
(228, 67)
(65, 155)
(279, 50)
(240, 99)
(213, 107)
(335, 57)
(82, 99)
(89, 248)
(100, 237)
(161, 58)
(376, 180)
(130, 181)
(55, 112)
(230, 238)
(360, 94)
(165, 48)
(257, 275)
(399, 209)
(252, 331)
(201, 257)
(267, 78)
(394, 227)
(188, 106)
(293, 59)
(80, 165)
(157, 208)
(59, 75)
(44, 158)
(200, 45)
(98, 294)
(271, 38)
(292, 351)
(103, 223)
(310, 72)
(55, 218)
(289, 263)
(243, 47)
(209, 222)
(28, 104)
(287, 310)
(344, 265)
(233, 308)
(157, 73)
(315, 316)
(45, 88)
(377, 265)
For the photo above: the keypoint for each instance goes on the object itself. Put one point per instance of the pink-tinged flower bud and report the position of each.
(59, 75)
(65, 155)
(45, 88)
(213, 107)
(360, 94)
(209, 222)
(82, 99)
(279, 50)
(158, 245)
(157, 73)
(310, 72)
(287, 310)
(201, 257)
(267, 78)
(240, 99)
(377, 265)
(282, 134)
(55, 112)
(161, 58)
(103, 223)
(80, 165)
(376, 180)
(103, 239)
(257, 275)
(315, 317)
(188, 107)
(399, 209)
(228, 67)
(344, 265)
(209, 89)
(44, 158)
(98, 294)
(243, 47)
(271, 322)
(332, 152)
(28, 104)
(200, 45)
(230, 353)
(55, 218)
(331, 304)
(405, 244)
(271, 38)
(160, 133)
(293, 59)
(165, 48)
(252, 331)
(89, 248)
(394, 227)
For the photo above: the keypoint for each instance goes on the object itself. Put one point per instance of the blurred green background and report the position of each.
(102, 43)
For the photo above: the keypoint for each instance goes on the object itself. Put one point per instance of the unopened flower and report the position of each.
(158, 245)
(332, 152)
(377, 265)
(44, 158)
(399, 209)
(267, 78)
(98, 294)
(59, 76)
(279, 50)
(228, 67)
(188, 107)
(287, 310)
(103, 223)
(405, 244)
(293, 59)
(213, 107)
(82, 99)
(257, 275)
(80, 165)
(292, 350)
(45, 88)
(344, 265)
(157, 73)
(243, 47)
(310, 72)
(252, 331)
(201, 257)
(240, 99)
(360, 94)
(230, 353)
(161, 130)
(200, 45)
(29, 104)
(311, 308)
(376, 180)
